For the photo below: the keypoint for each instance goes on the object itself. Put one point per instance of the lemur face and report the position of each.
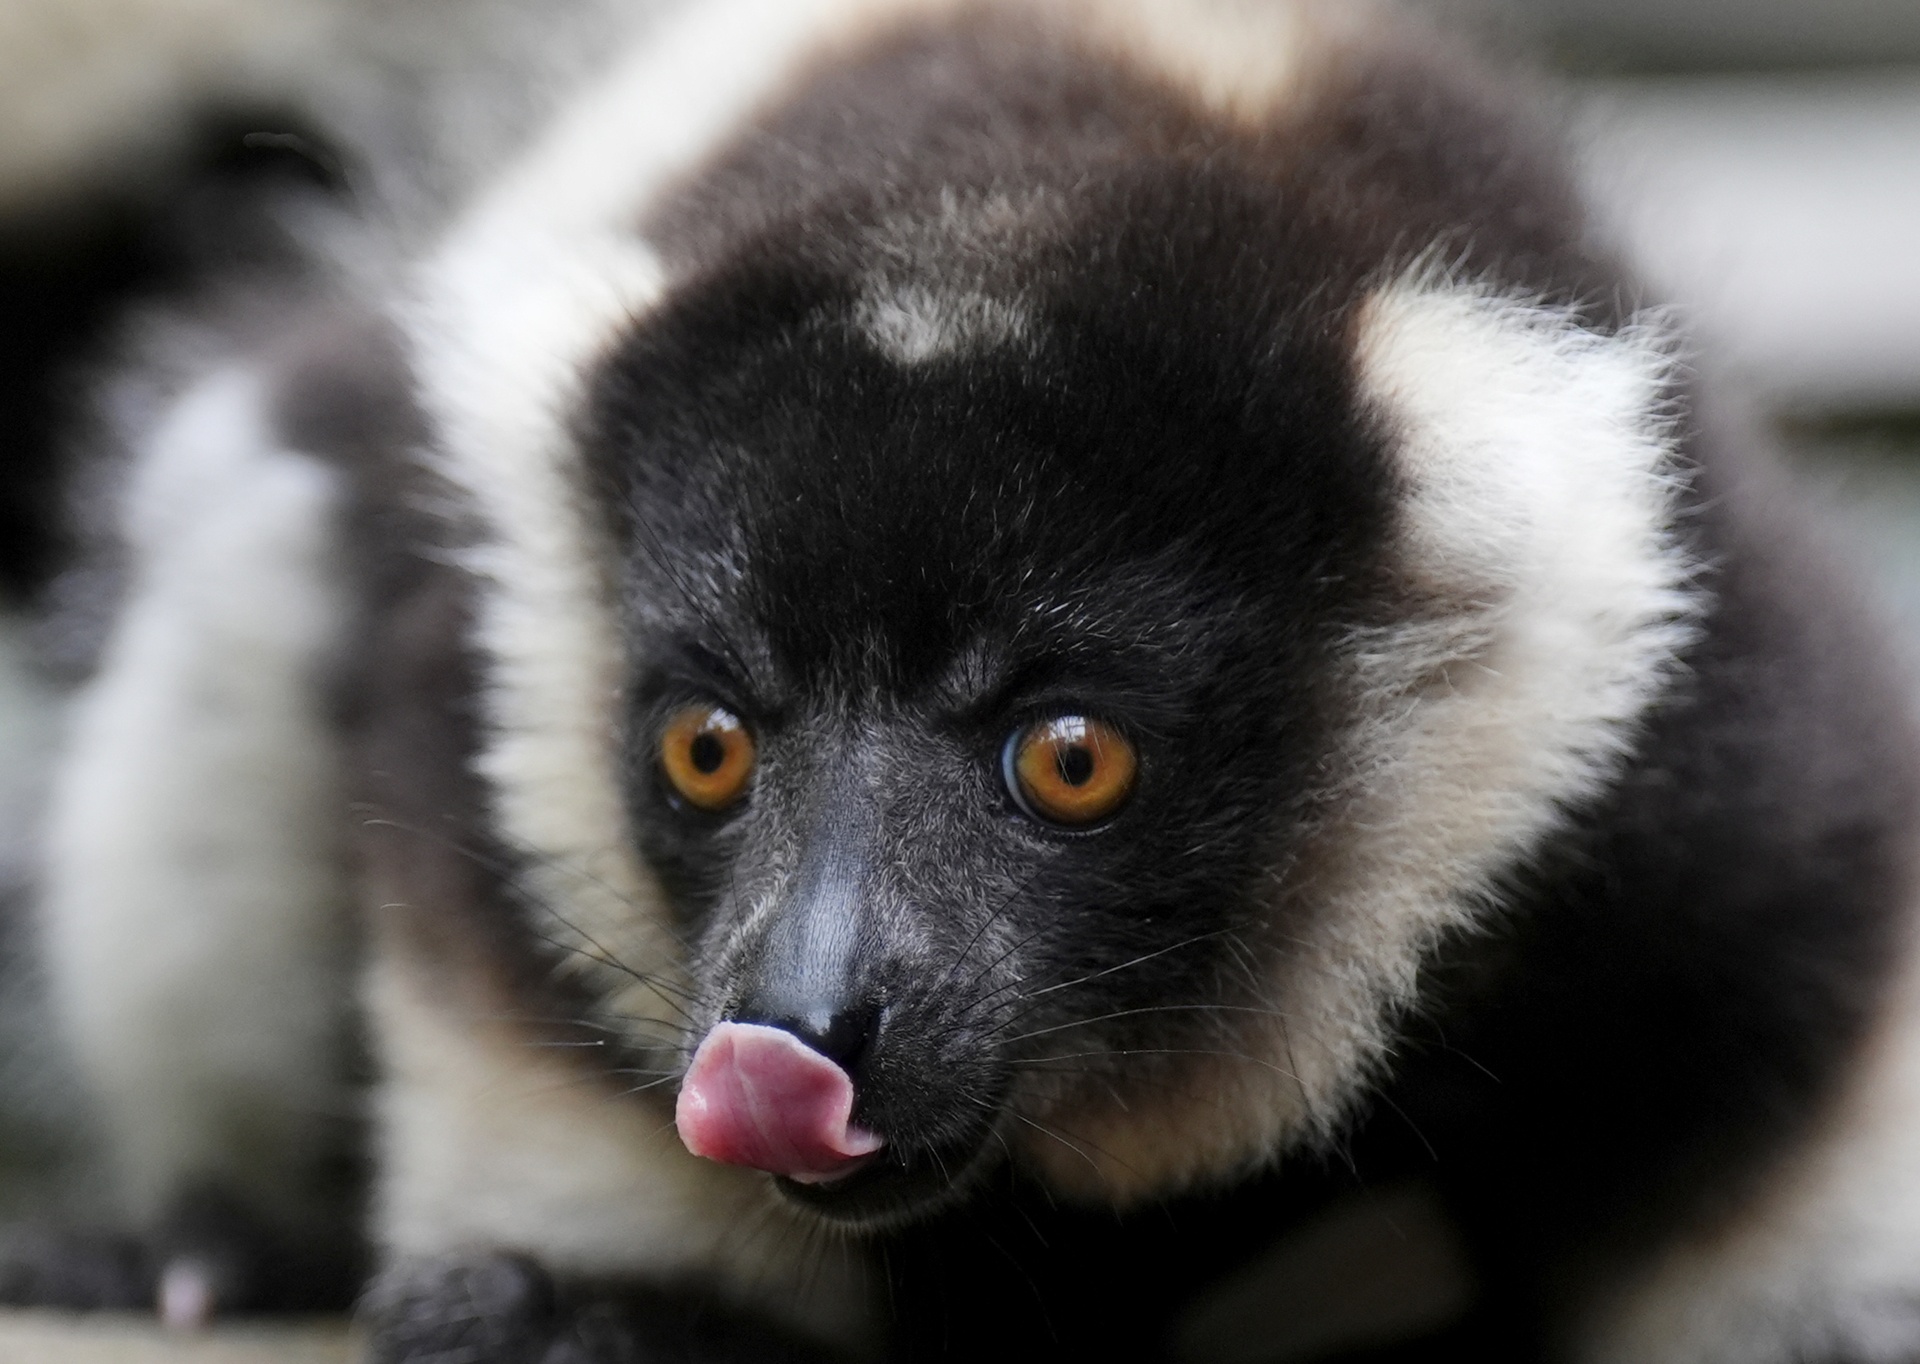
(982, 693)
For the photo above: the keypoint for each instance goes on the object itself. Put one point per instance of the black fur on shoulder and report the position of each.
(1677, 991)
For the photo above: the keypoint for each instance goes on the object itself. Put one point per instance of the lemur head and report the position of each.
(987, 683)
(1066, 695)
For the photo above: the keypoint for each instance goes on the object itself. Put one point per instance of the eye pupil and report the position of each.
(1071, 771)
(707, 757)
(707, 753)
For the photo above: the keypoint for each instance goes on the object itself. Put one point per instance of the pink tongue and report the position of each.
(759, 1096)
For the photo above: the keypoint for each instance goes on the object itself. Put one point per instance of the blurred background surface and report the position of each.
(1689, 36)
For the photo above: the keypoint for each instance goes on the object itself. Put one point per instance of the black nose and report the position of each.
(839, 1035)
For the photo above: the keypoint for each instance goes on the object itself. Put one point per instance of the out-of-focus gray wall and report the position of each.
(1697, 34)
(1782, 210)
(1760, 161)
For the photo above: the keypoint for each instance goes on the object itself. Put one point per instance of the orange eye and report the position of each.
(1070, 770)
(708, 756)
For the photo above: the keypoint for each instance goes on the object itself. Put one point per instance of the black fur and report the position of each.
(1031, 537)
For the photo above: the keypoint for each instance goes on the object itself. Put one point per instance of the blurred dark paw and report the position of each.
(483, 1309)
(214, 1254)
(76, 1270)
(504, 1309)
(211, 1257)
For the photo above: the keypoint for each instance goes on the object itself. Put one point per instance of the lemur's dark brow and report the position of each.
(689, 666)
(988, 683)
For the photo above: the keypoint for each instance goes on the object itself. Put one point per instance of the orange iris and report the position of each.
(1071, 770)
(707, 755)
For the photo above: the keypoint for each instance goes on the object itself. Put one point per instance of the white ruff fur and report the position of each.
(194, 905)
(1538, 459)
(1543, 485)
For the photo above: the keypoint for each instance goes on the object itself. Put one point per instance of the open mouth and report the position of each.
(891, 1189)
(759, 1097)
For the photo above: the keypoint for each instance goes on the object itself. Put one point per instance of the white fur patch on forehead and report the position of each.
(948, 282)
(915, 323)
(1547, 601)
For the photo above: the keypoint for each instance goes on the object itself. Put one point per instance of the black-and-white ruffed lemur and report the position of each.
(988, 677)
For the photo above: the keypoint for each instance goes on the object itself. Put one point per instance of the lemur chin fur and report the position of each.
(951, 674)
